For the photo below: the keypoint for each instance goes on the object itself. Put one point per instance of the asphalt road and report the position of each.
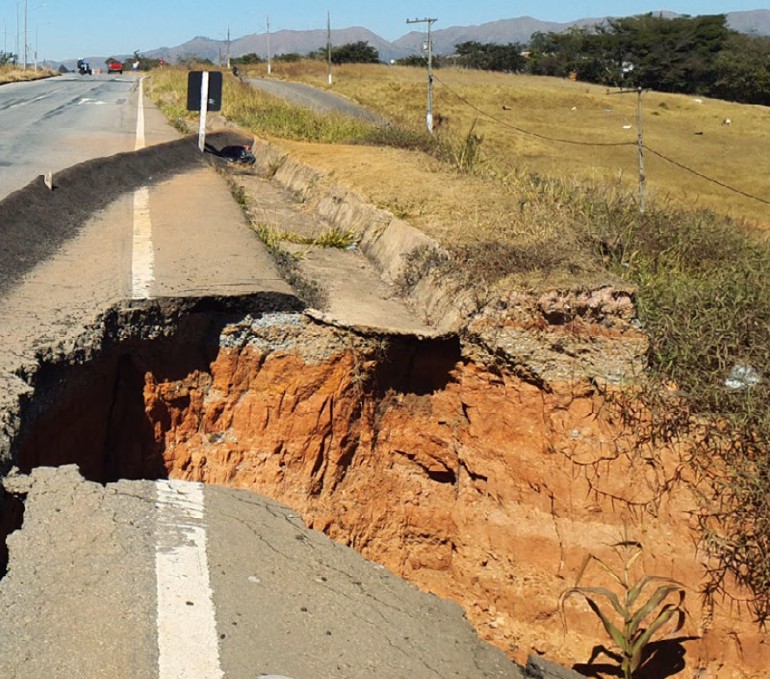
(174, 580)
(48, 125)
(322, 101)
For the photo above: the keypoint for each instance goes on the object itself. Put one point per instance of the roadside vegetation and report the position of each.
(514, 204)
(13, 74)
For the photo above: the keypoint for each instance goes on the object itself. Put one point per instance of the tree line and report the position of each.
(686, 55)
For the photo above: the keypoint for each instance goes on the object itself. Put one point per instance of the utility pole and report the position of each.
(25, 35)
(639, 141)
(429, 116)
(269, 58)
(329, 47)
(228, 48)
(16, 56)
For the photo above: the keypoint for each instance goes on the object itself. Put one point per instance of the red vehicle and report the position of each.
(115, 67)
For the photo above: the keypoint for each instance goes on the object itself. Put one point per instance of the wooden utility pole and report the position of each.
(639, 142)
(228, 47)
(25, 34)
(329, 46)
(269, 57)
(429, 116)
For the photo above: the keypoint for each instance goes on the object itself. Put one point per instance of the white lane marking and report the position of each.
(187, 634)
(142, 252)
(140, 118)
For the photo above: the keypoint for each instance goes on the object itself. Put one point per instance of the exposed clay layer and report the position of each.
(475, 483)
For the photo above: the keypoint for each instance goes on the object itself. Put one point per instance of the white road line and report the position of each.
(187, 634)
(140, 142)
(142, 253)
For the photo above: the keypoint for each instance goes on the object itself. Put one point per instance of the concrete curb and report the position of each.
(385, 240)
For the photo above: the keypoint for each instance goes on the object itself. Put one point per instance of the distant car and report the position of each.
(115, 67)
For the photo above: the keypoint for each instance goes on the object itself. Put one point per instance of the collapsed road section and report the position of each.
(146, 382)
(483, 465)
(447, 469)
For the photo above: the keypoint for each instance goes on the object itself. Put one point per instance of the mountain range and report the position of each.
(755, 22)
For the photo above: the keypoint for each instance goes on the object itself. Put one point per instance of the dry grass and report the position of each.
(13, 74)
(735, 154)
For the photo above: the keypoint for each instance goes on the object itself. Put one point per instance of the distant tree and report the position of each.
(245, 59)
(191, 61)
(288, 57)
(490, 56)
(670, 55)
(355, 53)
(145, 63)
(63, 69)
(7, 58)
(420, 60)
(650, 51)
(743, 70)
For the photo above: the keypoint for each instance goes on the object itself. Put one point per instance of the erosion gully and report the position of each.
(465, 478)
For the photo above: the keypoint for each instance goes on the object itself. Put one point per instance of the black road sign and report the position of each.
(194, 81)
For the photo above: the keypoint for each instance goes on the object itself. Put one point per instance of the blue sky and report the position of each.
(65, 29)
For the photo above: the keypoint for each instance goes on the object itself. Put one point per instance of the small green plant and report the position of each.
(335, 237)
(639, 620)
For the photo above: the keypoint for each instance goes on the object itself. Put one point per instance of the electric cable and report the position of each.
(660, 155)
(504, 123)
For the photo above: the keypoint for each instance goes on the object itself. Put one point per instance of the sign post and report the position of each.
(204, 108)
(204, 94)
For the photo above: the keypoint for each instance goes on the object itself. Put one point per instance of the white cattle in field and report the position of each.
(727, 121)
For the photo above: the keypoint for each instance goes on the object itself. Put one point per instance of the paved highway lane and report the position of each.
(174, 580)
(55, 123)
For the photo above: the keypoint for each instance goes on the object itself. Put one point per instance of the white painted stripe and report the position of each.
(187, 634)
(140, 141)
(142, 253)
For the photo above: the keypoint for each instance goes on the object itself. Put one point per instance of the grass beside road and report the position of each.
(13, 74)
(518, 210)
(519, 117)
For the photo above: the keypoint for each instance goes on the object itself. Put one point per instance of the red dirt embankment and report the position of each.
(473, 483)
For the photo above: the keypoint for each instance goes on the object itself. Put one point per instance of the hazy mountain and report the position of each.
(755, 22)
(281, 42)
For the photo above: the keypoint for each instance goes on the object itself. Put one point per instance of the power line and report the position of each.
(505, 123)
(575, 142)
(706, 177)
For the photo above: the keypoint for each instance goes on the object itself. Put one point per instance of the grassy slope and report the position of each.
(733, 154)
